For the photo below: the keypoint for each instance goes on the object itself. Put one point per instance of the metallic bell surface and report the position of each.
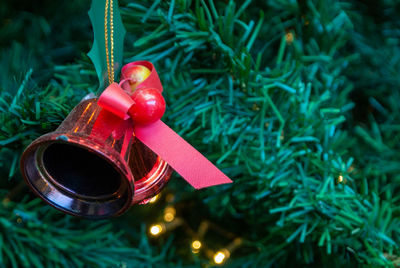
(78, 172)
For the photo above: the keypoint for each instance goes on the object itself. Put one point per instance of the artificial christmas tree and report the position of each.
(296, 101)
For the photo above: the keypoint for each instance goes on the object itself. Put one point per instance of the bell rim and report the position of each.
(153, 182)
(74, 140)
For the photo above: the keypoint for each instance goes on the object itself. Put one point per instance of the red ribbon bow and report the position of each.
(197, 170)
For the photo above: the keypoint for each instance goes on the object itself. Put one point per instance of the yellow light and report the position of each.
(169, 214)
(289, 37)
(196, 244)
(154, 198)
(219, 257)
(340, 178)
(156, 229)
(168, 217)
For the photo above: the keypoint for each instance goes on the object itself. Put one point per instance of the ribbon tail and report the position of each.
(197, 170)
(127, 139)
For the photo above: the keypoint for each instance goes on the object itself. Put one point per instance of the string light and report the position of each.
(196, 245)
(172, 222)
(289, 37)
(169, 214)
(255, 107)
(154, 199)
(156, 229)
(160, 228)
(341, 179)
(221, 256)
(150, 200)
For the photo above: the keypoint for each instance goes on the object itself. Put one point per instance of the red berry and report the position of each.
(136, 75)
(149, 106)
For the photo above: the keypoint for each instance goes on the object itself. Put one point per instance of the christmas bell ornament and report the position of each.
(83, 170)
(113, 151)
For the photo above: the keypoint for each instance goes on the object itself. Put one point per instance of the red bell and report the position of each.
(79, 171)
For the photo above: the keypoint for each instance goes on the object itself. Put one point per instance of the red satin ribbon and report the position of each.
(197, 170)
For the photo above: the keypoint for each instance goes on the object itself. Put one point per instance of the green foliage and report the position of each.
(296, 101)
(34, 235)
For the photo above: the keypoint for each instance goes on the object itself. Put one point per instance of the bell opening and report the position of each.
(75, 177)
(80, 171)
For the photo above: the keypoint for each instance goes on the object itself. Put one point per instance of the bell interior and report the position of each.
(80, 171)
(77, 179)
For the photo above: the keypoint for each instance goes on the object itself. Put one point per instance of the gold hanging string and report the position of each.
(109, 54)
